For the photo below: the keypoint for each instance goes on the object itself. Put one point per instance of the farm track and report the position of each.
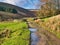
(46, 37)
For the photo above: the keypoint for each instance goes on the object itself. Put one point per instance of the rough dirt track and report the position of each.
(45, 37)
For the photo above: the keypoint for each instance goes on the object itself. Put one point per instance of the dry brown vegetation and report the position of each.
(51, 24)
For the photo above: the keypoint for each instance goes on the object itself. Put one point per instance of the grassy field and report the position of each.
(14, 33)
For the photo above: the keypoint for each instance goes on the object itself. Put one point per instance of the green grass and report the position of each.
(45, 19)
(18, 35)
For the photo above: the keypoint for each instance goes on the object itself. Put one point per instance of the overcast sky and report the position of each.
(28, 4)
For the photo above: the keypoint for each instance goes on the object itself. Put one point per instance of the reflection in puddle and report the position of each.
(34, 37)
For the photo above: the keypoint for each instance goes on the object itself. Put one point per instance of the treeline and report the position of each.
(6, 9)
(49, 8)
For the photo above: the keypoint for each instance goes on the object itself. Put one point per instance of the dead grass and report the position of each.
(52, 24)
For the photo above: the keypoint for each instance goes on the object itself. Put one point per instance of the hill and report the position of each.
(13, 11)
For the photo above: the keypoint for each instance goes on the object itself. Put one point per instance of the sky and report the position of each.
(27, 4)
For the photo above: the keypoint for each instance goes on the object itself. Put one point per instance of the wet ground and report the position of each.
(34, 37)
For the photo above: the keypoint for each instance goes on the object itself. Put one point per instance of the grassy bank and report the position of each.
(14, 33)
(51, 24)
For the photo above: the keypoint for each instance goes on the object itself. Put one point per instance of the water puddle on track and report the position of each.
(34, 37)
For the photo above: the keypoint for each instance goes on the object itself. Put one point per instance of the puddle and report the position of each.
(34, 37)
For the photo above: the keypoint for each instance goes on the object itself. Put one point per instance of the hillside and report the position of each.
(7, 15)
(15, 12)
(51, 24)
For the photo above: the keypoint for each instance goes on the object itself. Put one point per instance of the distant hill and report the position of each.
(12, 11)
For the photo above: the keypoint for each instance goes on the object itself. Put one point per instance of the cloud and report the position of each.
(28, 3)
(21, 3)
(16, 2)
(11, 1)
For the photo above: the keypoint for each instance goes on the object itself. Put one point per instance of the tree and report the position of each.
(48, 8)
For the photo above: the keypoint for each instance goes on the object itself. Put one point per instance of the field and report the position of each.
(14, 33)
